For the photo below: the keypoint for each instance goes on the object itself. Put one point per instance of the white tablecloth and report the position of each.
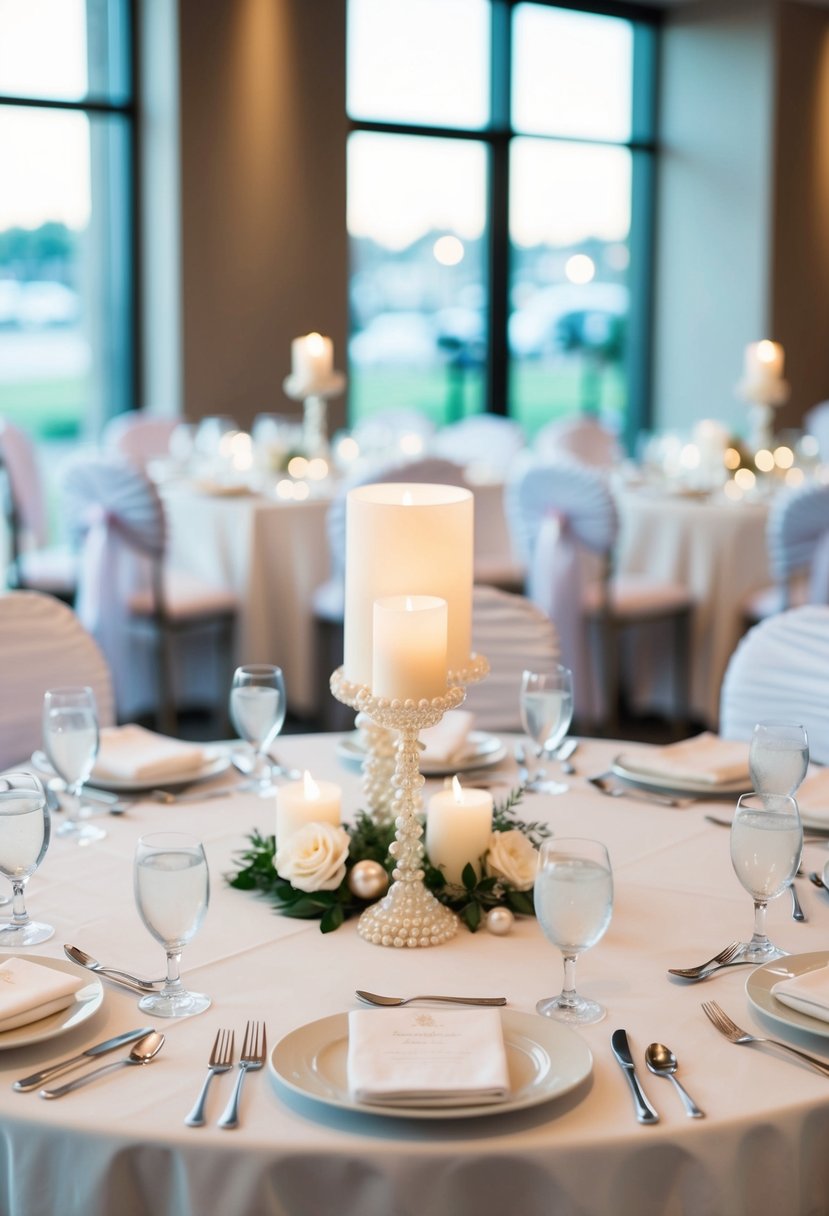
(121, 1145)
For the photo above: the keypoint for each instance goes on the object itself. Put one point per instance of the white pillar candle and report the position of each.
(312, 361)
(763, 361)
(458, 828)
(409, 647)
(407, 540)
(305, 801)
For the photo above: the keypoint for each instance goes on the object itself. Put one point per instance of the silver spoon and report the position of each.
(371, 998)
(141, 1052)
(662, 1063)
(86, 960)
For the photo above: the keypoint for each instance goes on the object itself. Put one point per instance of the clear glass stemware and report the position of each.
(573, 902)
(766, 844)
(257, 710)
(70, 737)
(778, 757)
(546, 714)
(172, 891)
(25, 828)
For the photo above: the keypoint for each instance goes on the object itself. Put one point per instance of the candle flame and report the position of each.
(315, 343)
(407, 500)
(312, 790)
(457, 790)
(766, 351)
(409, 604)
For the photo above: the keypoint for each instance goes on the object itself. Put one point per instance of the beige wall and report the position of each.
(264, 253)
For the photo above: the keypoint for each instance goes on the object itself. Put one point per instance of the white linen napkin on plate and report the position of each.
(132, 753)
(704, 758)
(445, 741)
(29, 992)
(813, 796)
(423, 1057)
(808, 993)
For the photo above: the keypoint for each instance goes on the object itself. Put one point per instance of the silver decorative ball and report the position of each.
(499, 921)
(368, 880)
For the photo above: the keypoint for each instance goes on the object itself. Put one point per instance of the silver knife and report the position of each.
(57, 1070)
(645, 1113)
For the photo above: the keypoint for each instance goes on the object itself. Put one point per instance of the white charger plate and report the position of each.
(545, 1059)
(627, 770)
(87, 1001)
(481, 750)
(761, 981)
(216, 763)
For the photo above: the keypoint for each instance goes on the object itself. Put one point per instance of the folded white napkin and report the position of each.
(705, 758)
(29, 992)
(808, 993)
(132, 753)
(445, 741)
(423, 1057)
(813, 795)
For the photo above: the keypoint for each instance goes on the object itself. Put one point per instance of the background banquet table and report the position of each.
(122, 1144)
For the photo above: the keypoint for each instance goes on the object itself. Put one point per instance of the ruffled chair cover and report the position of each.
(515, 636)
(116, 511)
(380, 433)
(780, 670)
(42, 645)
(488, 441)
(816, 422)
(797, 538)
(138, 437)
(583, 438)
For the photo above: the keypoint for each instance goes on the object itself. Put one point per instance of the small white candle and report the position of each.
(305, 801)
(312, 361)
(458, 828)
(763, 361)
(409, 654)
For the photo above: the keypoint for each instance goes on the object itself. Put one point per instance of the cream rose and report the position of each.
(313, 857)
(513, 857)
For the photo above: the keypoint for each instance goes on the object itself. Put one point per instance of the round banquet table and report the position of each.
(121, 1144)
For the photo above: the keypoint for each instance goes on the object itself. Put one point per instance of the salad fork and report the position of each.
(719, 960)
(221, 1060)
(251, 1059)
(735, 1034)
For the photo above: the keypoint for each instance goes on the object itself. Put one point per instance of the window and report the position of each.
(66, 151)
(499, 170)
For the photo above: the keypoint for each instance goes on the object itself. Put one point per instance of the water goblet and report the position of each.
(766, 843)
(70, 736)
(257, 710)
(778, 757)
(546, 714)
(25, 827)
(573, 902)
(172, 890)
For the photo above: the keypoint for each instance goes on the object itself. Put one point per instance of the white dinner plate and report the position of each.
(481, 750)
(626, 769)
(545, 1058)
(215, 763)
(761, 981)
(88, 999)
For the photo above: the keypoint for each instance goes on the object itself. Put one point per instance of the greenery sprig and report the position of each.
(369, 841)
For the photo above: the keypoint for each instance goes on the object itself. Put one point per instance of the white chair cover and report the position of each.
(137, 437)
(797, 541)
(816, 422)
(20, 459)
(780, 670)
(489, 441)
(381, 432)
(42, 645)
(514, 635)
(584, 439)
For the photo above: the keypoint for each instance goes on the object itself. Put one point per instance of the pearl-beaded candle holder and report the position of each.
(409, 914)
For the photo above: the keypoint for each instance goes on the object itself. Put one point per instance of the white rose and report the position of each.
(313, 857)
(512, 857)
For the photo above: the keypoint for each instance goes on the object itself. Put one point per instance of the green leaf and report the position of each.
(471, 916)
(332, 918)
(520, 902)
(468, 877)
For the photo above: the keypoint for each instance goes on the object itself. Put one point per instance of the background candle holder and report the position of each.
(315, 410)
(409, 914)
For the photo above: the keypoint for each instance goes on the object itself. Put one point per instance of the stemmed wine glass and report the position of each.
(70, 736)
(25, 828)
(778, 757)
(573, 902)
(172, 890)
(766, 843)
(546, 714)
(257, 710)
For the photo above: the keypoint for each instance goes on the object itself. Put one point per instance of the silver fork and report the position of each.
(221, 1060)
(722, 1022)
(252, 1058)
(719, 960)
